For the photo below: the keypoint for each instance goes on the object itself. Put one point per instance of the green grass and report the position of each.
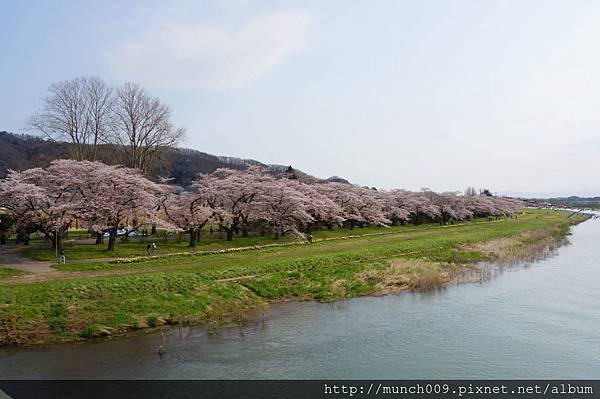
(7, 272)
(212, 289)
(137, 247)
(79, 251)
(431, 242)
(75, 250)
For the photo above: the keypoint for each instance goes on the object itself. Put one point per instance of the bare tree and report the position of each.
(99, 98)
(77, 111)
(63, 114)
(470, 192)
(142, 127)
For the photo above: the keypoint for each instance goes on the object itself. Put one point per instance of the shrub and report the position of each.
(152, 321)
(427, 279)
(90, 331)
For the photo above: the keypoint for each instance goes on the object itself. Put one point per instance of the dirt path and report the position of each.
(12, 259)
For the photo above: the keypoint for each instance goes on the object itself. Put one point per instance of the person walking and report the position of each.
(150, 248)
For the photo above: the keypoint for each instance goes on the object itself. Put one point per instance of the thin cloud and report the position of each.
(201, 56)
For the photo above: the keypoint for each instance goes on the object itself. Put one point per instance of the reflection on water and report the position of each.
(520, 258)
(486, 271)
(539, 320)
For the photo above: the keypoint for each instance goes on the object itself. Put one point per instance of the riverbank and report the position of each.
(111, 299)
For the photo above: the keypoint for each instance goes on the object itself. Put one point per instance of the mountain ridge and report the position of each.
(24, 151)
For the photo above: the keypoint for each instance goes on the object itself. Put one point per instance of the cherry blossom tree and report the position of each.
(107, 197)
(481, 205)
(117, 196)
(359, 205)
(397, 206)
(103, 197)
(187, 211)
(232, 194)
(422, 209)
(322, 209)
(50, 198)
(282, 206)
(508, 206)
(450, 206)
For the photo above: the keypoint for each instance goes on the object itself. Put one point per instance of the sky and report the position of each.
(393, 94)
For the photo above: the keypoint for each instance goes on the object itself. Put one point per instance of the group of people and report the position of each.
(150, 250)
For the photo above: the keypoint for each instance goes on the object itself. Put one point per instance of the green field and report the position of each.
(4, 272)
(76, 250)
(101, 298)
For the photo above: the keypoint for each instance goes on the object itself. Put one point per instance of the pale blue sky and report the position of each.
(408, 94)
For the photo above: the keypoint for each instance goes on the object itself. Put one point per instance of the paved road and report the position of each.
(11, 259)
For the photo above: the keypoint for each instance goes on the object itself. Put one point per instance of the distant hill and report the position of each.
(567, 202)
(576, 202)
(337, 179)
(22, 151)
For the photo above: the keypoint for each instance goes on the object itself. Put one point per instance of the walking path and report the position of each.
(12, 259)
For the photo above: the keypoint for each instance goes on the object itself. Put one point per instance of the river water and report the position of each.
(539, 320)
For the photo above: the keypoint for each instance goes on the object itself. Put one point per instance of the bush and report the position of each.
(57, 323)
(90, 331)
(152, 321)
(427, 279)
(57, 310)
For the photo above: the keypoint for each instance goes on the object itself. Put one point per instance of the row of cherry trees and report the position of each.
(104, 197)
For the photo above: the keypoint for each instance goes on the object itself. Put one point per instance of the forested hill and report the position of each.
(19, 152)
(571, 202)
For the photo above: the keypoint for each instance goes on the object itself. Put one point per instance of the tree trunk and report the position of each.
(153, 231)
(99, 237)
(193, 238)
(112, 238)
(229, 232)
(56, 241)
(244, 231)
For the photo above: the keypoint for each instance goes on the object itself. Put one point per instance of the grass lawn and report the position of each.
(79, 251)
(213, 289)
(75, 250)
(7, 272)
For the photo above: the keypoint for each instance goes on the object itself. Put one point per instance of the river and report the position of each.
(539, 320)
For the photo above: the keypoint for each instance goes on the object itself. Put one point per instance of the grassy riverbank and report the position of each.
(100, 298)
